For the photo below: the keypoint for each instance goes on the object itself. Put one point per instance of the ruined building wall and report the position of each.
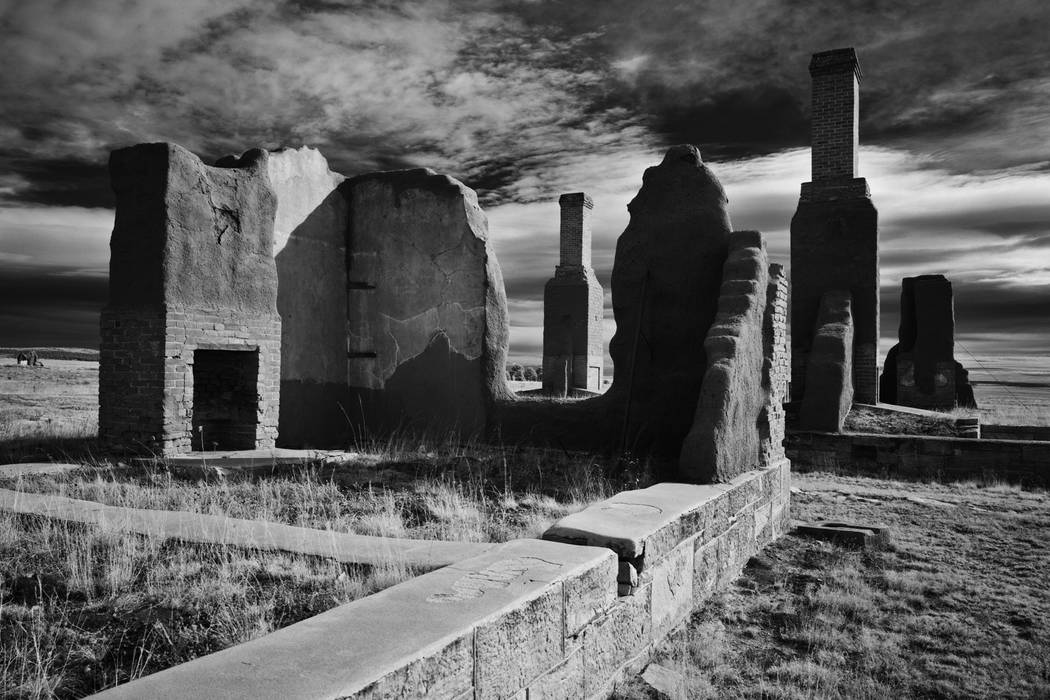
(427, 311)
(573, 302)
(834, 232)
(665, 286)
(921, 369)
(724, 440)
(310, 232)
(191, 269)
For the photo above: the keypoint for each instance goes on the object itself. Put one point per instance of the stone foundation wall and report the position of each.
(528, 619)
(915, 457)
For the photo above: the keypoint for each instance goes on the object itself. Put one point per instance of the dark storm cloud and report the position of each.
(524, 100)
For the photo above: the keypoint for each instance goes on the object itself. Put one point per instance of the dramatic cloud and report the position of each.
(525, 100)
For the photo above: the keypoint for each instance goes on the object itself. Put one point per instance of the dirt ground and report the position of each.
(954, 605)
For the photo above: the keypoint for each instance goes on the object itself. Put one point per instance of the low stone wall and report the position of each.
(527, 619)
(1016, 432)
(921, 457)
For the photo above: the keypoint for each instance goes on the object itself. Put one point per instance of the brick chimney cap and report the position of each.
(577, 199)
(835, 61)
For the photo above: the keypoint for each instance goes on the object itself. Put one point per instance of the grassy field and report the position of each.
(954, 605)
(83, 609)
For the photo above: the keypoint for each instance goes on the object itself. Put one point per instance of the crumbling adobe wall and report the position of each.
(310, 232)
(665, 287)
(921, 370)
(725, 440)
(829, 378)
(191, 267)
(427, 311)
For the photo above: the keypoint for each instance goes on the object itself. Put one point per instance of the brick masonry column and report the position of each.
(834, 233)
(573, 304)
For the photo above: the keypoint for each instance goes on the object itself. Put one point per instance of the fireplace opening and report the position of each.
(225, 399)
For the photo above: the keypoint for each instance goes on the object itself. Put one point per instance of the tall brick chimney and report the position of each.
(836, 113)
(835, 230)
(573, 345)
(576, 229)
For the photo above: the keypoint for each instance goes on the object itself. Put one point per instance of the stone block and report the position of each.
(590, 594)
(672, 589)
(641, 525)
(706, 558)
(615, 638)
(515, 649)
(565, 681)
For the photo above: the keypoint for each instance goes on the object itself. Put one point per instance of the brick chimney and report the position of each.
(836, 109)
(575, 229)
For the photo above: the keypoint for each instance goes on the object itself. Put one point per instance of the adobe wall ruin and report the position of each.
(689, 313)
(921, 369)
(190, 338)
(395, 313)
(310, 251)
(427, 311)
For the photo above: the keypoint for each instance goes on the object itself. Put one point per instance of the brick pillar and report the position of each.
(573, 302)
(834, 233)
(834, 131)
(576, 229)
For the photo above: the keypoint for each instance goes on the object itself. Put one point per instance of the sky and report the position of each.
(523, 100)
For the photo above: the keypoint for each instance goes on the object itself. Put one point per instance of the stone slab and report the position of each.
(28, 468)
(231, 461)
(651, 522)
(628, 520)
(373, 644)
(850, 534)
(253, 534)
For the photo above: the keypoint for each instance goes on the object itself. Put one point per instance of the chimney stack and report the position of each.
(836, 114)
(576, 229)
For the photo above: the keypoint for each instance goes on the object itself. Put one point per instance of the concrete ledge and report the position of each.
(487, 627)
(251, 534)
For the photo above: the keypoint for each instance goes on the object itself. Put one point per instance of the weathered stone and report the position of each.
(665, 284)
(573, 307)
(427, 329)
(190, 353)
(724, 440)
(435, 635)
(834, 232)
(829, 377)
(663, 682)
(310, 231)
(672, 588)
(921, 370)
(616, 637)
(645, 522)
(849, 534)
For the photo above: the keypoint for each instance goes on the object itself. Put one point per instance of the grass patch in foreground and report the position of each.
(954, 606)
(468, 494)
(83, 609)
